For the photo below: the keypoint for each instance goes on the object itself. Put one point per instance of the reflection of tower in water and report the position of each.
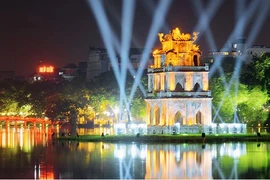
(182, 162)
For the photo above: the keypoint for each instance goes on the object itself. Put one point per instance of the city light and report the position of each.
(205, 15)
(125, 44)
(46, 69)
(242, 19)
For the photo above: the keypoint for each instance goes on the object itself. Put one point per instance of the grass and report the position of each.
(167, 138)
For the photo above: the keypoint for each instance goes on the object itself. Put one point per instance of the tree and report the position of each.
(38, 91)
(53, 107)
(106, 95)
(138, 109)
(257, 72)
(14, 98)
(247, 105)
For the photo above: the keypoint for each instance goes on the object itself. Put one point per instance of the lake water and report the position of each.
(32, 154)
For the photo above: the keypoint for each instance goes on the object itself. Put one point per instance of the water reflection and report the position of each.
(31, 153)
(20, 151)
(182, 161)
(174, 161)
(25, 138)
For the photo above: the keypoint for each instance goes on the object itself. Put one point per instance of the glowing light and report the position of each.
(155, 51)
(159, 17)
(133, 151)
(119, 152)
(133, 126)
(128, 13)
(109, 39)
(261, 17)
(242, 22)
(46, 69)
(205, 17)
(116, 110)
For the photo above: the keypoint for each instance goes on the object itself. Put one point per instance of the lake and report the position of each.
(32, 154)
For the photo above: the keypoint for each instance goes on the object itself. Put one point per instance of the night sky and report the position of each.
(60, 31)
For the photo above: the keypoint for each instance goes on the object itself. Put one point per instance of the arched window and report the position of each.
(199, 118)
(179, 88)
(195, 60)
(178, 118)
(197, 87)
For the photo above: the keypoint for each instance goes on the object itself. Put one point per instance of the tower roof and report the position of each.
(177, 42)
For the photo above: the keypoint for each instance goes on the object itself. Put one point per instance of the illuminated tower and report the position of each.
(178, 90)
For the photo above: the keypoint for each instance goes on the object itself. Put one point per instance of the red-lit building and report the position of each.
(45, 73)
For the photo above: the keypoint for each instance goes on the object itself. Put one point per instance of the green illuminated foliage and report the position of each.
(247, 103)
(257, 73)
(105, 95)
(68, 100)
(14, 99)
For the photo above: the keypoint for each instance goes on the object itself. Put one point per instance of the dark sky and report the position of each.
(60, 31)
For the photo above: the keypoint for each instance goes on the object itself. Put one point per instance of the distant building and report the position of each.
(256, 50)
(99, 61)
(44, 73)
(7, 75)
(235, 49)
(69, 72)
(10, 76)
(82, 70)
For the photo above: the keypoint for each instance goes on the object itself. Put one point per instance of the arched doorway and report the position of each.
(195, 60)
(179, 88)
(179, 118)
(197, 87)
(157, 116)
(199, 118)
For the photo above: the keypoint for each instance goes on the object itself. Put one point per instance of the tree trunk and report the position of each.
(73, 123)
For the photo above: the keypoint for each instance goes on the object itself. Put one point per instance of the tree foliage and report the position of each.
(257, 73)
(69, 100)
(14, 98)
(238, 101)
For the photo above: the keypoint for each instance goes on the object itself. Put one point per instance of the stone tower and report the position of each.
(178, 91)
